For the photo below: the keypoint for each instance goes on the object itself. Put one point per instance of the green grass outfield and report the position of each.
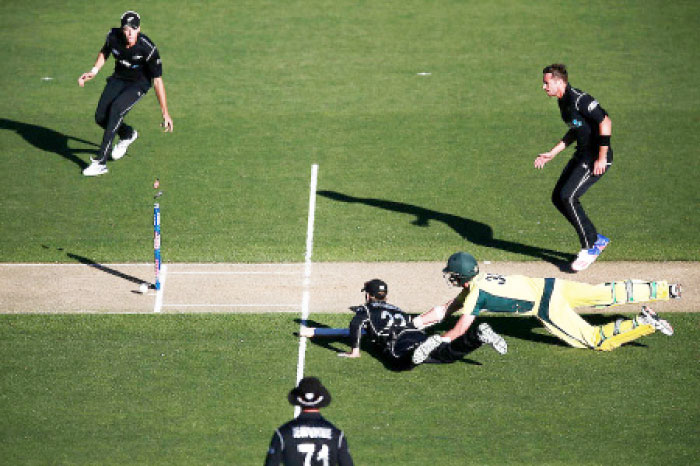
(210, 389)
(260, 90)
(411, 168)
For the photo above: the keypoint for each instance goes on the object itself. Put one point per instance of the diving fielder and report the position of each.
(137, 64)
(552, 301)
(393, 332)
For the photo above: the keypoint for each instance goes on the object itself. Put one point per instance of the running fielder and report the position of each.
(551, 300)
(137, 64)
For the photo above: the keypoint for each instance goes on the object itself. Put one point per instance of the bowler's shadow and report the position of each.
(49, 140)
(471, 230)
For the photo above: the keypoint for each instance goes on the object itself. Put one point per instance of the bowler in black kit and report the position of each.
(590, 127)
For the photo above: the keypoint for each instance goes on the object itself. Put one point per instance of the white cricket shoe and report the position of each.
(648, 317)
(119, 149)
(487, 336)
(95, 168)
(421, 353)
(585, 258)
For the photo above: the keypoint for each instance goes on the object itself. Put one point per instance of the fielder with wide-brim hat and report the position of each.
(310, 394)
(309, 439)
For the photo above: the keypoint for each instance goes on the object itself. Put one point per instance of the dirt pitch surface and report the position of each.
(332, 287)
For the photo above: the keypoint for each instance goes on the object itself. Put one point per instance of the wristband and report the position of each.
(94, 70)
(604, 140)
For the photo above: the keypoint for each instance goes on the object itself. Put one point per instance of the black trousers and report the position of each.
(401, 352)
(118, 97)
(573, 183)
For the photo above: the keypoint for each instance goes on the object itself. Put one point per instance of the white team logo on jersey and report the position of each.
(592, 105)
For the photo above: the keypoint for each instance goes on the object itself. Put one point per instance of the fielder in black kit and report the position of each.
(590, 127)
(309, 440)
(395, 334)
(137, 66)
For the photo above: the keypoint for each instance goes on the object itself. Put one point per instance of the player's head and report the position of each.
(309, 394)
(375, 290)
(131, 26)
(554, 79)
(461, 269)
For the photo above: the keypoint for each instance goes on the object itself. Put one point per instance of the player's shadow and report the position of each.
(471, 230)
(49, 140)
(328, 342)
(104, 268)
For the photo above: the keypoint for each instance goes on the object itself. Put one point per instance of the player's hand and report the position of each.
(167, 124)
(542, 159)
(599, 167)
(85, 77)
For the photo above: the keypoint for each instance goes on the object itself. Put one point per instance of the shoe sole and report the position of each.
(652, 318)
(423, 351)
(489, 337)
(675, 290)
(105, 171)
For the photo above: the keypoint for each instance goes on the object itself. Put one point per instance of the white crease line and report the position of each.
(159, 293)
(305, 297)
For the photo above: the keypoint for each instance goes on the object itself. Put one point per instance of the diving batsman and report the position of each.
(551, 300)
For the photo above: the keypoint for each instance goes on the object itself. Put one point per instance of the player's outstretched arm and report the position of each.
(460, 328)
(163, 101)
(85, 77)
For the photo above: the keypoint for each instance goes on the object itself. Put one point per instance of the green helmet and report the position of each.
(461, 268)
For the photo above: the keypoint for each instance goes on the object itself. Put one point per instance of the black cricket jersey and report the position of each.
(140, 63)
(384, 324)
(308, 440)
(582, 114)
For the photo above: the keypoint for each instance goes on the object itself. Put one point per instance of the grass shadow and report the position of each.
(471, 230)
(49, 140)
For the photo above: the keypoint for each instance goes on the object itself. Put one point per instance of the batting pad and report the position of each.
(622, 338)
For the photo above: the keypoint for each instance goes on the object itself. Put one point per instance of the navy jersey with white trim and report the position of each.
(583, 115)
(138, 63)
(381, 321)
(308, 440)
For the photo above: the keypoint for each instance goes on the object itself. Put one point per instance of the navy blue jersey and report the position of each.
(582, 114)
(383, 323)
(308, 440)
(138, 63)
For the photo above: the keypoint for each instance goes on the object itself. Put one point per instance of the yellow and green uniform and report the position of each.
(553, 302)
